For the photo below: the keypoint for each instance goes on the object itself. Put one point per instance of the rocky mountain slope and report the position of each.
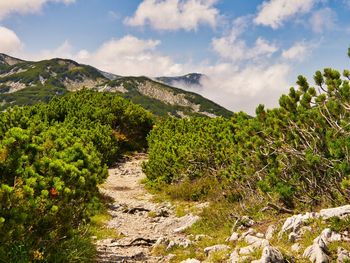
(25, 82)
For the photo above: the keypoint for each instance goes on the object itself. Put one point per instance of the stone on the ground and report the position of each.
(186, 222)
(234, 237)
(330, 236)
(296, 247)
(343, 255)
(191, 260)
(250, 231)
(247, 250)
(317, 252)
(340, 212)
(234, 257)
(270, 231)
(216, 248)
(161, 241)
(270, 255)
(260, 235)
(256, 242)
(295, 222)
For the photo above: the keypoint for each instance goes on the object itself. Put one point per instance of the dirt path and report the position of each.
(140, 221)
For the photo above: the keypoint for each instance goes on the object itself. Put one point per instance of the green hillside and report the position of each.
(27, 83)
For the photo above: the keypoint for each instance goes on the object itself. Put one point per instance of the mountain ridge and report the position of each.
(27, 82)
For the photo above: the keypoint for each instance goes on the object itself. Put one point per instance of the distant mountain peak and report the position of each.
(8, 60)
(189, 80)
(29, 82)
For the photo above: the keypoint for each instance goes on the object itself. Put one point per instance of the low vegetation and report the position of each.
(296, 154)
(52, 157)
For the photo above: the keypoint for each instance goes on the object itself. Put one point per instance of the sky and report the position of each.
(251, 50)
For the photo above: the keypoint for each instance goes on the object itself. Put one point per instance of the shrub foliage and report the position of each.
(52, 157)
(297, 153)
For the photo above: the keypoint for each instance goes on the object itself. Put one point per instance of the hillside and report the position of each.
(26, 83)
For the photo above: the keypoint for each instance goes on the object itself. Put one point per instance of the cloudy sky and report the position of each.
(252, 50)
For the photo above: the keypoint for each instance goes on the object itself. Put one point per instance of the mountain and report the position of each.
(26, 82)
(192, 79)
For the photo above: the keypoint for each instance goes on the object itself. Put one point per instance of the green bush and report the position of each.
(297, 153)
(52, 157)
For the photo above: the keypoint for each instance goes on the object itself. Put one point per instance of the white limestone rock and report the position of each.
(216, 248)
(296, 247)
(234, 237)
(317, 252)
(294, 223)
(270, 255)
(343, 255)
(186, 222)
(341, 212)
(270, 231)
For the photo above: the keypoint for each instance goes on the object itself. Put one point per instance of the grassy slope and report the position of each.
(56, 71)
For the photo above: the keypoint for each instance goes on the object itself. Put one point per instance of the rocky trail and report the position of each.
(141, 223)
(144, 226)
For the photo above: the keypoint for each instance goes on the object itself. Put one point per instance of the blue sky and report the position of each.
(252, 51)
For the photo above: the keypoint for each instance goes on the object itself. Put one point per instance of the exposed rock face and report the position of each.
(78, 85)
(340, 212)
(150, 90)
(270, 255)
(317, 252)
(15, 86)
(295, 222)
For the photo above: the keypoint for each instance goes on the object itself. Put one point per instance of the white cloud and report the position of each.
(175, 14)
(322, 20)
(232, 47)
(298, 51)
(244, 87)
(130, 56)
(9, 41)
(235, 84)
(274, 12)
(8, 7)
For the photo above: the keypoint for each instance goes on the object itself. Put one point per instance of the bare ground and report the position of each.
(135, 217)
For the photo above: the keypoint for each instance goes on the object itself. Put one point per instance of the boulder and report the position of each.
(270, 231)
(234, 237)
(317, 252)
(343, 255)
(330, 236)
(341, 212)
(250, 231)
(216, 248)
(256, 242)
(234, 257)
(260, 235)
(186, 222)
(296, 247)
(294, 223)
(270, 255)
